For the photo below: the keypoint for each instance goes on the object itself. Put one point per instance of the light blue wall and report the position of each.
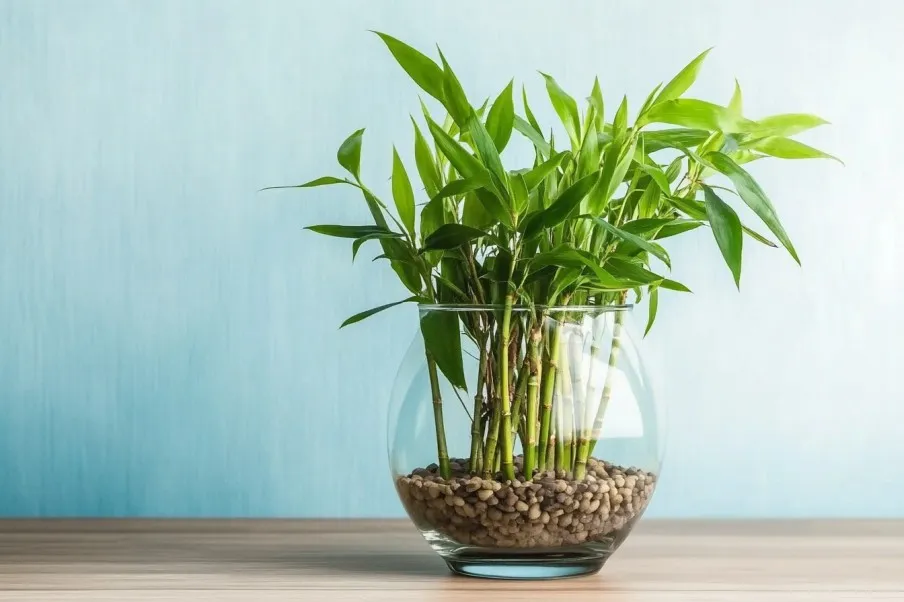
(168, 340)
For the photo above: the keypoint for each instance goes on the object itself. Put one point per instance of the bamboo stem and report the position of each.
(566, 400)
(549, 383)
(533, 400)
(607, 386)
(476, 423)
(442, 452)
(507, 463)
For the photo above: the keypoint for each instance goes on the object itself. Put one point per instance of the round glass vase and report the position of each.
(524, 443)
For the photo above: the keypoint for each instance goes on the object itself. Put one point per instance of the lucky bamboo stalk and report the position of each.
(533, 400)
(607, 386)
(549, 385)
(559, 412)
(476, 422)
(506, 456)
(442, 452)
(566, 398)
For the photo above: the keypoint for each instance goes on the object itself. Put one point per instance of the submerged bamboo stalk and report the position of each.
(506, 463)
(607, 386)
(533, 400)
(549, 384)
(442, 452)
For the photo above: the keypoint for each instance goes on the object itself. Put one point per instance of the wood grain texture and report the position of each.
(387, 560)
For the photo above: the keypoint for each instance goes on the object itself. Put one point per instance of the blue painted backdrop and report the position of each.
(168, 340)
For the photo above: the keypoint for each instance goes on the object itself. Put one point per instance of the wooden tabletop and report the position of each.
(269, 560)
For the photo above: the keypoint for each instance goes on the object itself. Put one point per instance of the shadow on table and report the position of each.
(370, 564)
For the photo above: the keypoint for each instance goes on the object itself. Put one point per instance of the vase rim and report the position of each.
(464, 307)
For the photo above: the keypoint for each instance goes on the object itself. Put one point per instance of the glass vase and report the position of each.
(524, 442)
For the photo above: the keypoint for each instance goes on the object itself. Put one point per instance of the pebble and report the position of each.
(549, 510)
(484, 494)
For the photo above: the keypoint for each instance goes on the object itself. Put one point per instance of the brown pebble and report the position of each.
(521, 506)
(483, 494)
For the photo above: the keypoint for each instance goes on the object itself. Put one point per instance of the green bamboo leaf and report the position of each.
(463, 162)
(696, 210)
(744, 155)
(616, 161)
(652, 308)
(426, 167)
(563, 279)
(632, 271)
(442, 341)
(455, 100)
(649, 201)
(366, 314)
(408, 273)
(536, 138)
(450, 236)
(753, 195)
(674, 169)
(651, 248)
(324, 181)
(501, 118)
(349, 154)
(786, 148)
(494, 207)
(684, 80)
(677, 227)
(646, 225)
(566, 108)
(736, 104)
(432, 216)
(690, 207)
(620, 121)
(419, 68)
(486, 149)
(562, 207)
(350, 231)
(456, 293)
(474, 214)
(674, 285)
(589, 155)
(726, 227)
(566, 256)
(460, 187)
(520, 194)
(697, 114)
(402, 193)
(596, 101)
(758, 237)
(658, 176)
(657, 140)
(649, 101)
(375, 236)
(535, 176)
(788, 124)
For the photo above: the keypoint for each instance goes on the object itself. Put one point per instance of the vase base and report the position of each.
(525, 566)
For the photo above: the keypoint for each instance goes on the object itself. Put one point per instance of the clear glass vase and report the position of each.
(546, 453)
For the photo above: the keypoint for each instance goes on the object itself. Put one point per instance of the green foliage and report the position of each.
(577, 226)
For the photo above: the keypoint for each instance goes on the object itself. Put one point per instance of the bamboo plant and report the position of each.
(584, 224)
